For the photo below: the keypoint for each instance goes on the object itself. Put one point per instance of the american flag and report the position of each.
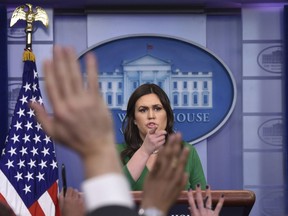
(28, 166)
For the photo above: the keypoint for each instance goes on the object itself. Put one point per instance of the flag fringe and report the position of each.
(28, 55)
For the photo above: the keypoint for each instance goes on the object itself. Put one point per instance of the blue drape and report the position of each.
(285, 72)
(3, 76)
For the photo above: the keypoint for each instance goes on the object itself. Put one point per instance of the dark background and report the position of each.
(118, 5)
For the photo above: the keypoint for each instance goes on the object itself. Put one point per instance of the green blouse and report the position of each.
(193, 168)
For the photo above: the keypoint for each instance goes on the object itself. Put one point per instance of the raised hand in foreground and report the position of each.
(198, 207)
(72, 204)
(167, 178)
(81, 119)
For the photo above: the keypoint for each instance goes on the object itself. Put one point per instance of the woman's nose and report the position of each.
(151, 114)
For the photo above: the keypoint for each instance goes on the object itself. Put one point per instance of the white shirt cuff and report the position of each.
(108, 189)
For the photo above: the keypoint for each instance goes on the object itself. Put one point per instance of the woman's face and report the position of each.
(149, 113)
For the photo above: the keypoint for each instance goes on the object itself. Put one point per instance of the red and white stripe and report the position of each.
(47, 204)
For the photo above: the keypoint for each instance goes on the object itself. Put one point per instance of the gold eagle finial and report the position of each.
(29, 16)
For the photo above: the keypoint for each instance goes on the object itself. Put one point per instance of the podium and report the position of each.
(237, 202)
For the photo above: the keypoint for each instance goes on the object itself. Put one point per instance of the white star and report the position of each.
(38, 126)
(9, 164)
(33, 99)
(32, 163)
(36, 138)
(43, 164)
(15, 138)
(18, 176)
(18, 125)
(29, 176)
(40, 101)
(21, 112)
(35, 74)
(23, 150)
(34, 151)
(21, 164)
(12, 151)
(34, 86)
(26, 138)
(45, 151)
(27, 189)
(3, 151)
(40, 177)
(24, 99)
(27, 87)
(54, 164)
(47, 139)
(28, 125)
(31, 113)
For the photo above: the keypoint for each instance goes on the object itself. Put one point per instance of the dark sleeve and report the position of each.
(113, 210)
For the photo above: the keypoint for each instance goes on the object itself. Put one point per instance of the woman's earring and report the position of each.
(135, 122)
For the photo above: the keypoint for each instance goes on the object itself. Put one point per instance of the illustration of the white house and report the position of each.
(275, 57)
(184, 89)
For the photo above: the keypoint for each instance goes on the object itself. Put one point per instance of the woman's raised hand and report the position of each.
(154, 140)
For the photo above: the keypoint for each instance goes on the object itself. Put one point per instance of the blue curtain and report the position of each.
(285, 72)
(3, 76)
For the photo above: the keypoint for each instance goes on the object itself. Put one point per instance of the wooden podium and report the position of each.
(237, 202)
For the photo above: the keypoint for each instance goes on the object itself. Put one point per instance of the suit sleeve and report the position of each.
(107, 190)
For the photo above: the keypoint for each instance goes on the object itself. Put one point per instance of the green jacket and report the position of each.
(193, 168)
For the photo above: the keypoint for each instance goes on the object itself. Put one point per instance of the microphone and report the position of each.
(64, 182)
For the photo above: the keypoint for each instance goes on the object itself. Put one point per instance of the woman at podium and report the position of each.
(148, 122)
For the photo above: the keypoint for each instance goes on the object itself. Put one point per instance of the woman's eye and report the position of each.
(158, 108)
(142, 110)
